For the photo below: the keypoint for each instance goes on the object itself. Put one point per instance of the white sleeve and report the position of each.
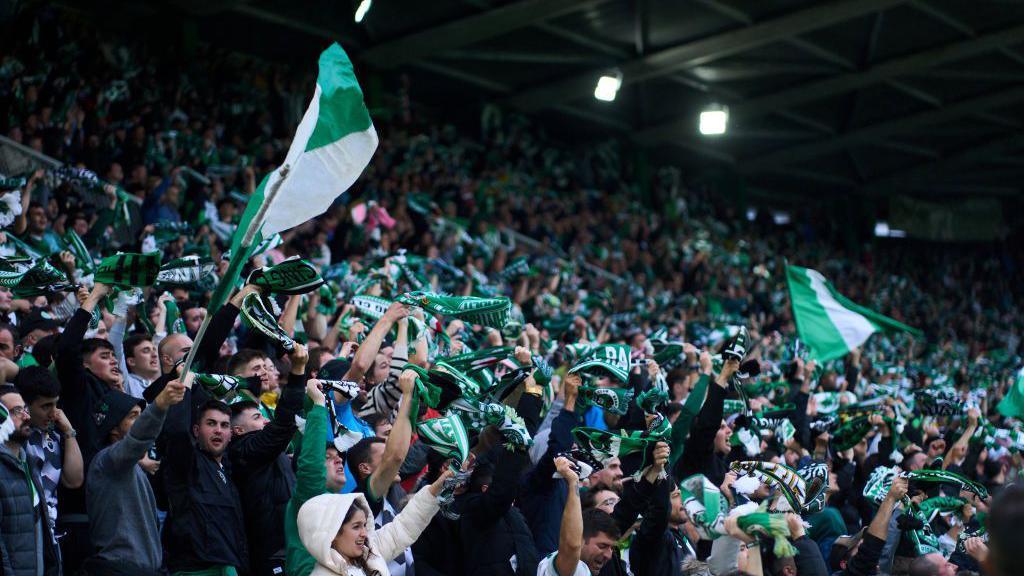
(547, 567)
(394, 537)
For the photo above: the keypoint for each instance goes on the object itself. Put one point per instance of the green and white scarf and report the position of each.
(614, 400)
(12, 270)
(371, 307)
(292, 276)
(513, 430)
(127, 270)
(491, 312)
(256, 315)
(477, 415)
(475, 361)
(224, 387)
(447, 436)
(607, 359)
(185, 271)
(603, 445)
(705, 505)
(82, 257)
(779, 476)
(879, 482)
(761, 522)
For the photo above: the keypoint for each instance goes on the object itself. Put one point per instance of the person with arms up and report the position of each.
(261, 469)
(585, 541)
(122, 508)
(338, 531)
(319, 471)
(205, 531)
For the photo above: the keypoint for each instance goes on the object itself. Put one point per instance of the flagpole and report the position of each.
(250, 233)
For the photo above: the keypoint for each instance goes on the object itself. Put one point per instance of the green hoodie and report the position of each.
(311, 481)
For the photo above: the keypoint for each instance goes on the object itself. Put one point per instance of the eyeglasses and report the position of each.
(18, 411)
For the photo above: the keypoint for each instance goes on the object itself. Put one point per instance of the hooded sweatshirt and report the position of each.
(320, 519)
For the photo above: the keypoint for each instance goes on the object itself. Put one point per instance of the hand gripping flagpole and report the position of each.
(238, 261)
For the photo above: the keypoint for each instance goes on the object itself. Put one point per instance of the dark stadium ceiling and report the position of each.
(842, 96)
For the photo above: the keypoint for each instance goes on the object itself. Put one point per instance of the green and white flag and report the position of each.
(332, 145)
(829, 323)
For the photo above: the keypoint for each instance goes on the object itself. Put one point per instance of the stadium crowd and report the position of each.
(495, 355)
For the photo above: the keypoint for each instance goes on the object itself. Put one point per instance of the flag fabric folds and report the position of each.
(829, 323)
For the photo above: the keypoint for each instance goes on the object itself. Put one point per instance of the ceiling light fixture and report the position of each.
(363, 8)
(608, 86)
(714, 120)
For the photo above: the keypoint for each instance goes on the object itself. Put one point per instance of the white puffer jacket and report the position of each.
(321, 517)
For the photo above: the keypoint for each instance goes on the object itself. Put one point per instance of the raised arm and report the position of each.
(368, 349)
(397, 445)
(960, 446)
(383, 398)
(865, 561)
(290, 314)
(570, 534)
(129, 450)
(265, 445)
(311, 476)
(699, 447)
(559, 440)
(395, 536)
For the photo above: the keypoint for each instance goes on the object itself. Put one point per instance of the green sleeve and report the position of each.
(311, 475)
(681, 428)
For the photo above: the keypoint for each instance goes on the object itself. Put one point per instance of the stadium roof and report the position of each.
(864, 96)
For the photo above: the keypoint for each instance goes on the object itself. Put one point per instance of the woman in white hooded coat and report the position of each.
(337, 530)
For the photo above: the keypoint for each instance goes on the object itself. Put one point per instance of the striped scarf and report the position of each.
(771, 525)
(490, 312)
(447, 436)
(185, 271)
(126, 270)
(779, 476)
(705, 505)
(256, 315)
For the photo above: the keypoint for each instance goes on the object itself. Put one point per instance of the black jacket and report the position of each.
(491, 529)
(81, 397)
(18, 521)
(699, 456)
(657, 550)
(809, 561)
(265, 480)
(204, 526)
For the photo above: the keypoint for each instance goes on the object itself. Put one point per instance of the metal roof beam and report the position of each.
(296, 23)
(697, 52)
(880, 131)
(470, 30)
(772, 103)
(919, 173)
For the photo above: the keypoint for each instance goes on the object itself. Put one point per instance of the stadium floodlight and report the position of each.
(363, 8)
(608, 86)
(714, 120)
(883, 230)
